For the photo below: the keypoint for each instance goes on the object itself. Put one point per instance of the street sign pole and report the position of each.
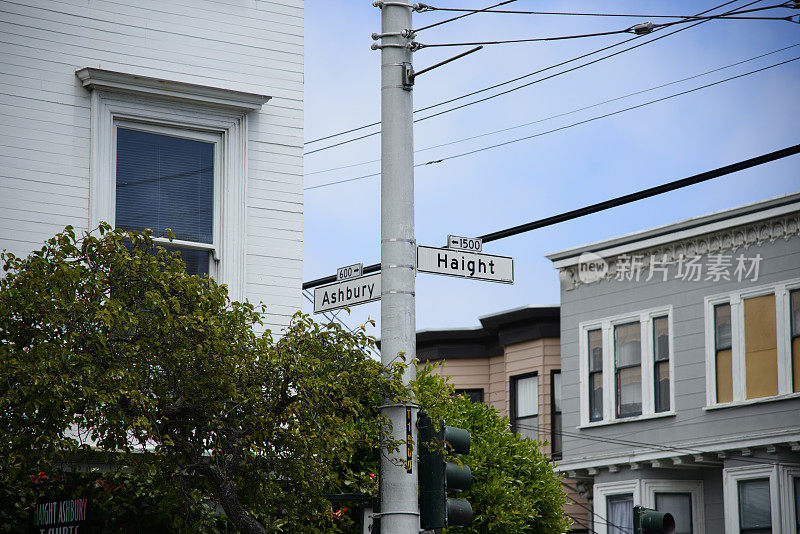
(398, 481)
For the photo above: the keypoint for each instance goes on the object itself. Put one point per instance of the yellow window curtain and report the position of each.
(761, 346)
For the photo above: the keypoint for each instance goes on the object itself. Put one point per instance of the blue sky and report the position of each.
(528, 180)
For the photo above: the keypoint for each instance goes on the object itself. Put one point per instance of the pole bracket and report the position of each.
(381, 3)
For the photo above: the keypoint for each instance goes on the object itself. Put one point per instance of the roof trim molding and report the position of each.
(682, 230)
(121, 82)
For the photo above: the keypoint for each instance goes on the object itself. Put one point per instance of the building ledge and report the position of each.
(121, 82)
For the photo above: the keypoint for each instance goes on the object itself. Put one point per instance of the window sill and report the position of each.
(750, 402)
(644, 417)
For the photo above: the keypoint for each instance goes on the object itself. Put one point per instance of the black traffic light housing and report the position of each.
(438, 477)
(648, 521)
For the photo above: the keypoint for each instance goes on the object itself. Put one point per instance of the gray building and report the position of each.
(680, 362)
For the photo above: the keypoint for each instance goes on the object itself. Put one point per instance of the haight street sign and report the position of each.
(347, 293)
(465, 264)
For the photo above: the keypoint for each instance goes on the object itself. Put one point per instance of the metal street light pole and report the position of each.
(399, 505)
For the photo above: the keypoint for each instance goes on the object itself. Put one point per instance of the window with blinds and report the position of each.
(167, 182)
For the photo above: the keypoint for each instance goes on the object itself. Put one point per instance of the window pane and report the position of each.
(556, 391)
(795, 297)
(165, 182)
(595, 350)
(754, 507)
(627, 344)
(722, 326)
(724, 376)
(661, 338)
(475, 395)
(527, 396)
(196, 260)
(797, 502)
(596, 396)
(619, 514)
(761, 346)
(662, 386)
(629, 391)
(527, 426)
(680, 506)
(556, 442)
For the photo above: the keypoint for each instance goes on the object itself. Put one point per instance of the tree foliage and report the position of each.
(514, 488)
(120, 369)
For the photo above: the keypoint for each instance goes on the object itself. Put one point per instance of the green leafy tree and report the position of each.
(120, 369)
(514, 487)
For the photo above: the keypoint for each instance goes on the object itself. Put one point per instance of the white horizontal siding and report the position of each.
(45, 118)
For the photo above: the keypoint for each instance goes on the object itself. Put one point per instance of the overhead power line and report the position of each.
(563, 114)
(560, 128)
(638, 29)
(470, 12)
(518, 78)
(425, 8)
(612, 203)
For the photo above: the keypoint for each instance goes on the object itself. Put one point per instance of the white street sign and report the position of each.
(465, 264)
(470, 244)
(347, 293)
(350, 271)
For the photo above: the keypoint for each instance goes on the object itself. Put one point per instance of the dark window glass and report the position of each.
(755, 514)
(619, 513)
(661, 365)
(555, 415)
(595, 375)
(628, 358)
(474, 394)
(167, 182)
(797, 502)
(525, 407)
(680, 506)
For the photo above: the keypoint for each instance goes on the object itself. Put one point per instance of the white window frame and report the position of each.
(606, 327)
(693, 487)
(739, 371)
(109, 208)
(730, 480)
(604, 490)
(786, 476)
(192, 110)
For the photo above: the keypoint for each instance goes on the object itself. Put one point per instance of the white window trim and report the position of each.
(730, 480)
(606, 326)
(784, 348)
(189, 108)
(693, 487)
(607, 489)
(786, 476)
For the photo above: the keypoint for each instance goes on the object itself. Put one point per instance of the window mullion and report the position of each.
(783, 329)
(646, 363)
(739, 371)
(609, 374)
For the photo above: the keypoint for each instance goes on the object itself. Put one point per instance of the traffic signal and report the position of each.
(438, 477)
(647, 521)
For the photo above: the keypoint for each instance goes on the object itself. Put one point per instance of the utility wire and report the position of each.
(642, 444)
(471, 12)
(518, 78)
(517, 140)
(614, 202)
(567, 126)
(629, 15)
(584, 108)
(650, 27)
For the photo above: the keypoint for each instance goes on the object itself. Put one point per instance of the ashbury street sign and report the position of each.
(347, 293)
(465, 264)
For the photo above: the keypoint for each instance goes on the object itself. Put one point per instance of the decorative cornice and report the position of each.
(728, 239)
(120, 82)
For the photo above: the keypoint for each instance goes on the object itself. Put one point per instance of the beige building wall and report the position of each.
(494, 374)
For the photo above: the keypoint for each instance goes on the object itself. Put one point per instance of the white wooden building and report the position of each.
(181, 114)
